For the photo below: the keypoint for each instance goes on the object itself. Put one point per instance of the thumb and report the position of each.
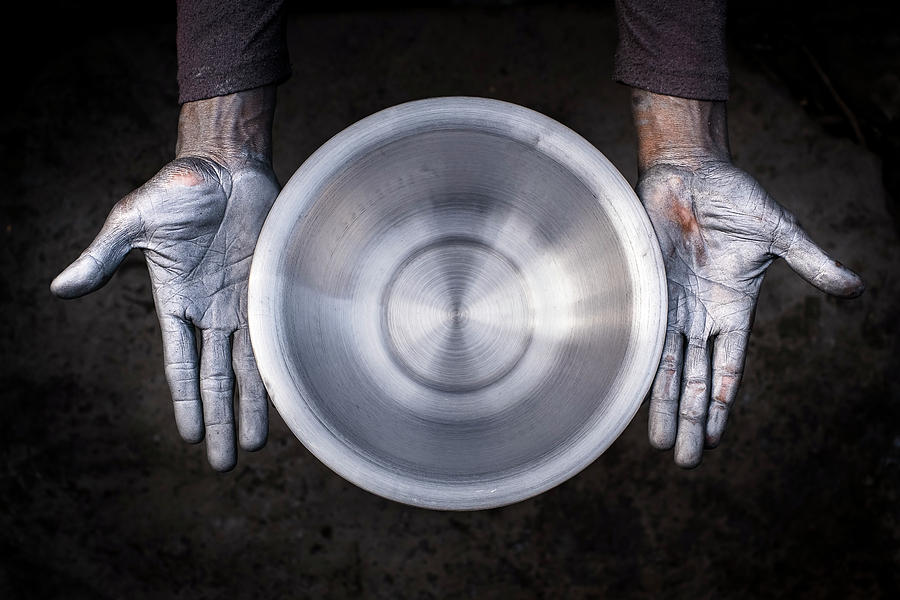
(100, 260)
(815, 266)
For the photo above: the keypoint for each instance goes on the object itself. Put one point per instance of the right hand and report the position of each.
(197, 221)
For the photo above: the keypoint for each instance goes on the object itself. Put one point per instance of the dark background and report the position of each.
(99, 498)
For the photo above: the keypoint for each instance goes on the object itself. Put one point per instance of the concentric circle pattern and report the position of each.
(457, 315)
(457, 303)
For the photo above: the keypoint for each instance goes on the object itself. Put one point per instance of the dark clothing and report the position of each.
(668, 47)
(226, 46)
(673, 48)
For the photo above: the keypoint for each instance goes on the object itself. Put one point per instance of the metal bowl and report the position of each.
(457, 303)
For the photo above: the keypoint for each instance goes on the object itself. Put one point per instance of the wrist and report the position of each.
(228, 129)
(679, 130)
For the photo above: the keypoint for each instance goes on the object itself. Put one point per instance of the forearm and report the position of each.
(675, 48)
(678, 130)
(231, 55)
(226, 46)
(228, 129)
(673, 57)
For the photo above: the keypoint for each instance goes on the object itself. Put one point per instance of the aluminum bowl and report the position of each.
(457, 303)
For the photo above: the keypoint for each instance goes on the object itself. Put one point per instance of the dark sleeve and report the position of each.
(672, 47)
(226, 46)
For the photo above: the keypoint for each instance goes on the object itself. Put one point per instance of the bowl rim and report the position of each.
(550, 137)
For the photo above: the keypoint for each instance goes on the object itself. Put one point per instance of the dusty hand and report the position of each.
(197, 221)
(718, 231)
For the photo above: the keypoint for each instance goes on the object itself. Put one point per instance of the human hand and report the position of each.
(197, 221)
(718, 230)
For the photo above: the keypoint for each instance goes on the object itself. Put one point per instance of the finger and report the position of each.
(217, 391)
(692, 409)
(253, 424)
(815, 266)
(664, 395)
(180, 358)
(100, 260)
(729, 351)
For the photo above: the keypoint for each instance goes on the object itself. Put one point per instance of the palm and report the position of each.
(201, 230)
(197, 223)
(718, 231)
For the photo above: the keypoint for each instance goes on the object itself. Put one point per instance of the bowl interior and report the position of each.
(455, 310)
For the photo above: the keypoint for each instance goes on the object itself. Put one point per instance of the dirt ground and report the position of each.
(99, 498)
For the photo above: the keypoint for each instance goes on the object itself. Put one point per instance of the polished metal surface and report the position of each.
(457, 303)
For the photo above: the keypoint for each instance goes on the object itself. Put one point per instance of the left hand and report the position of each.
(719, 231)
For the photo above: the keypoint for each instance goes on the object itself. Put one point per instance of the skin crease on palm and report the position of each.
(197, 222)
(198, 219)
(719, 231)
